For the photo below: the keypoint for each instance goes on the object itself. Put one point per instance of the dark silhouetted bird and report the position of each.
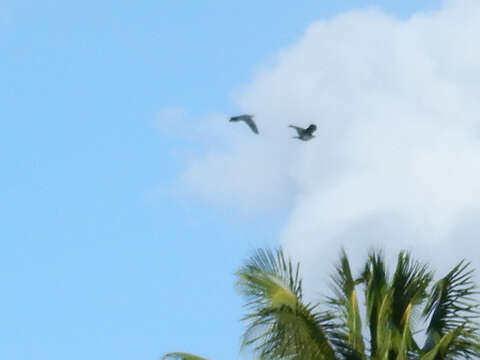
(305, 134)
(248, 119)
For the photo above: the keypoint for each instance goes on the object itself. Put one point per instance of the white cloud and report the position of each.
(396, 161)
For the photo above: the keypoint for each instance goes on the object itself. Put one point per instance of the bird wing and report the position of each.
(311, 129)
(300, 130)
(251, 124)
(241, 117)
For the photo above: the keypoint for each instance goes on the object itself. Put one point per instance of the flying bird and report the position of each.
(248, 119)
(305, 134)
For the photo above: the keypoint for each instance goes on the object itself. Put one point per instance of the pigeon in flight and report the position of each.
(248, 119)
(305, 134)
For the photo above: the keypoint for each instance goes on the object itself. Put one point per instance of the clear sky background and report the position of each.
(101, 257)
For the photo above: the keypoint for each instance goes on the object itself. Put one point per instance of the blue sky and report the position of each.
(98, 260)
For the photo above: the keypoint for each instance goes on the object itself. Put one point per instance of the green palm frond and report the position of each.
(280, 325)
(443, 345)
(182, 356)
(383, 332)
(408, 289)
(348, 333)
(269, 279)
(404, 339)
(453, 310)
(375, 279)
(409, 285)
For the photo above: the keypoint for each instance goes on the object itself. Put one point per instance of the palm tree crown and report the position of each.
(282, 325)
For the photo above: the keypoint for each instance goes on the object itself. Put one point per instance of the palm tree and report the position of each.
(282, 325)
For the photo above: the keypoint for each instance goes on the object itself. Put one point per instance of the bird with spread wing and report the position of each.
(248, 119)
(305, 134)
